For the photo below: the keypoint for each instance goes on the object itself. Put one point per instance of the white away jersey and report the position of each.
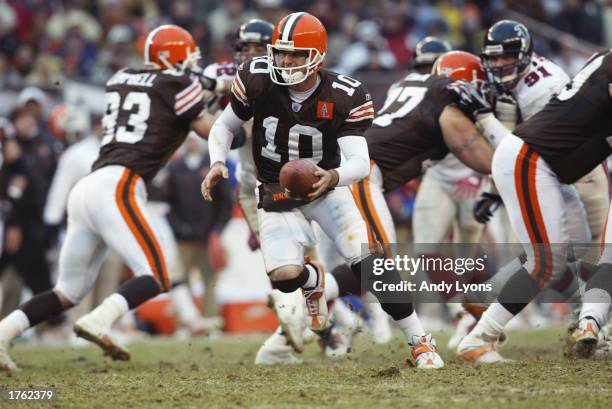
(544, 80)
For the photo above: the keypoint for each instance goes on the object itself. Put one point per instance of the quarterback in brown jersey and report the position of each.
(148, 115)
(302, 111)
(533, 169)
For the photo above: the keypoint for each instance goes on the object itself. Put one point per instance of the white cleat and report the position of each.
(583, 339)
(480, 348)
(289, 309)
(336, 341)
(99, 334)
(6, 362)
(425, 353)
(465, 323)
(316, 304)
(276, 351)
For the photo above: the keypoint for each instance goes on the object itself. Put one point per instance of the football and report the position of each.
(298, 176)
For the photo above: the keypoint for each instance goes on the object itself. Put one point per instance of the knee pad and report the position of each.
(292, 284)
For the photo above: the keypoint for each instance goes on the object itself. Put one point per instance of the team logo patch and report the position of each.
(295, 106)
(325, 110)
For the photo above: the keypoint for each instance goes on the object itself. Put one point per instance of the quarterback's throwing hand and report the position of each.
(217, 172)
(327, 180)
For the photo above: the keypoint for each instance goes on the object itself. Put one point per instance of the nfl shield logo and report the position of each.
(295, 106)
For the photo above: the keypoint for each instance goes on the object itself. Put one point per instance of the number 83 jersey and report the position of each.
(147, 117)
(285, 130)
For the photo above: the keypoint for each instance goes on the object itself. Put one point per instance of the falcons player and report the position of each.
(148, 115)
(533, 169)
(523, 83)
(302, 111)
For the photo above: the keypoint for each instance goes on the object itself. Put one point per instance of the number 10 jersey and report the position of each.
(285, 130)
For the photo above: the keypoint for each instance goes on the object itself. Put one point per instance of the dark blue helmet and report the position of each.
(506, 38)
(427, 51)
(252, 32)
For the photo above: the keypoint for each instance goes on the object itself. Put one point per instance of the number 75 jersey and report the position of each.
(285, 130)
(147, 117)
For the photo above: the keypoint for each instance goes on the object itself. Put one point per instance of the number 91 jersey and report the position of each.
(572, 133)
(147, 117)
(285, 130)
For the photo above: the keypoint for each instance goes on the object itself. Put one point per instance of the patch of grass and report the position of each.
(221, 374)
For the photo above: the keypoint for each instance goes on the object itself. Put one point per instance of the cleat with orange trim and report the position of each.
(316, 303)
(480, 348)
(6, 362)
(425, 353)
(91, 330)
(583, 338)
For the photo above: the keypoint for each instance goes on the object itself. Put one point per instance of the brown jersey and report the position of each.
(147, 117)
(406, 133)
(285, 130)
(572, 133)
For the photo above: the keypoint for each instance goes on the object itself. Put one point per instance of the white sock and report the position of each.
(13, 325)
(184, 307)
(313, 276)
(493, 320)
(596, 304)
(111, 309)
(332, 291)
(411, 325)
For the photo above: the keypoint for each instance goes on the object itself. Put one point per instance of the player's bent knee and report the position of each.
(69, 297)
(288, 278)
(64, 300)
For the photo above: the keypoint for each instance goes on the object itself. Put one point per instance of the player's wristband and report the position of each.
(494, 130)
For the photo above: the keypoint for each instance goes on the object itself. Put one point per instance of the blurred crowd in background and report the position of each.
(45, 44)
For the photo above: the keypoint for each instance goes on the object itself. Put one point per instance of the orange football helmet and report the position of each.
(297, 32)
(459, 65)
(170, 47)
